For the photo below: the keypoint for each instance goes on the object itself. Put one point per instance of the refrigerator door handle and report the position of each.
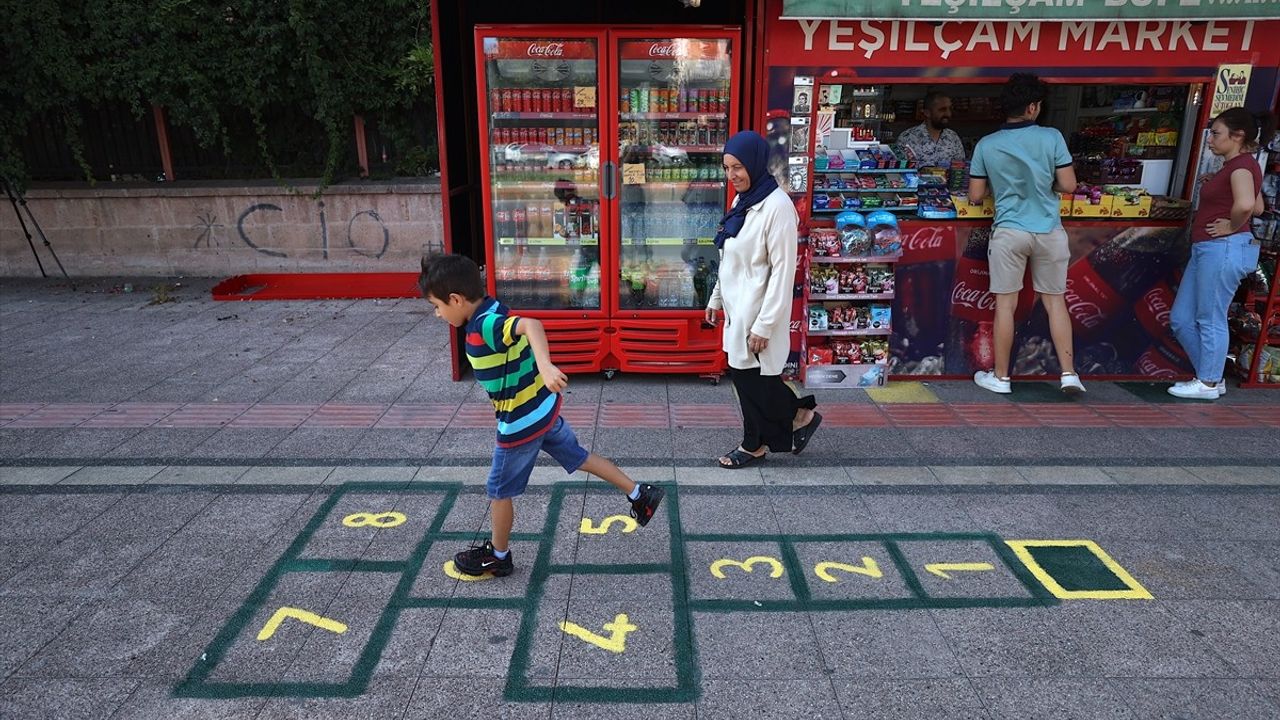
(610, 180)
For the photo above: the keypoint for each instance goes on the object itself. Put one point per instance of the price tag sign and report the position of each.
(633, 173)
(584, 97)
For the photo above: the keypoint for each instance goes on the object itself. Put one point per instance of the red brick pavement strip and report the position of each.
(1265, 414)
(1218, 416)
(1136, 415)
(58, 415)
(994, 415)
(704, 416)
(627, 415)
(12, 411)
(852, 415)
(273, 416)
(922, 415)
(579, 416)
(203, 415)
(345, 416)
(131, 415)
(1054, 415)
(408, 416)
(474, 415)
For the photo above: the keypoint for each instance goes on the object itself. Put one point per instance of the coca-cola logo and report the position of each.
(976, 298)
(1088, 314)
(1150, 366)
(795, 325)
(929, 238)
(667, 50)
(551, 49)
(1157, 304)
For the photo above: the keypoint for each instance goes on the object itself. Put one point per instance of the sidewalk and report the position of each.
(247, 511)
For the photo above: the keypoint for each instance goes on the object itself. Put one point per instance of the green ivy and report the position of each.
(208, 63)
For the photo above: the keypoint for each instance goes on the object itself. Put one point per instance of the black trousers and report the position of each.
(768, 409)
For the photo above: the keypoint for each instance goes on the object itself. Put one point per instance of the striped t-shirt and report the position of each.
(506, 369)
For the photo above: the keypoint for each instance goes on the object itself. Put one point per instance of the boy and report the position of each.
(511, 360)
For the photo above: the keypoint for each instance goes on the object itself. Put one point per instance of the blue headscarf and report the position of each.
(752, 150)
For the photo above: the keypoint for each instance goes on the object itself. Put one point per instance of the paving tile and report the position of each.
(1054, 699)
(908, 699)
(277, 475)
(891, 475)
(199, 475)
(779, 646)
(1195, 699)
(1064, 475)
(975, 475)
(1239, 630)
(44, 475)
(760, 698)
(63, 698)
(113, 475)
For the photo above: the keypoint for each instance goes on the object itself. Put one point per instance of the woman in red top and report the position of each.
(1223, 250)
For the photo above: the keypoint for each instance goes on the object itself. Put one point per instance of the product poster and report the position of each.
(1120, 289)
(800, 135)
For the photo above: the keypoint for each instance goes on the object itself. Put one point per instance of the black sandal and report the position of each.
(739, 458)
(800, 438)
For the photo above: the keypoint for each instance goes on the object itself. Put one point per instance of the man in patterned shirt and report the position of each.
(512, 362)
(933, 143)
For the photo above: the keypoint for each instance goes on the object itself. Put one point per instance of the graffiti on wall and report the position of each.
(365, 232)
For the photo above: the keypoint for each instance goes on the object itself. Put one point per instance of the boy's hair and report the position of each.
(1020, 91)
(443, 275)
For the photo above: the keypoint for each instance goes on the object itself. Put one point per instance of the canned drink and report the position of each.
(535, 101)
(724, 100)
(624, 104)
(548, 100)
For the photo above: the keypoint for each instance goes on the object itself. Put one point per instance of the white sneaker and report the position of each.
(1071, 385)
(987, 380)
(1195, 390)
(1222, 385)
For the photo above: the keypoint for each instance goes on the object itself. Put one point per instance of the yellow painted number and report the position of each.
(382, 520)
(941, 569)
(589, 528)
(775, 565)
(869, 567)
(615, 643)
(299, 614)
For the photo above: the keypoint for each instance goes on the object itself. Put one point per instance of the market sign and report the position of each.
(1031, 9)
(1115, 44)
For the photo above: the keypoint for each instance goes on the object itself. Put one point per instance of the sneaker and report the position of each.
(481, 560)
(1195, 390)
(1222, 385)
(987, 380)
(643, 507)
(1070, 384)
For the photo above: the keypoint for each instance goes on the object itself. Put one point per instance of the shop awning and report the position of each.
(1031, 10)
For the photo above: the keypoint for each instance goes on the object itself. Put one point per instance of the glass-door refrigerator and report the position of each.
(676, 100)
(603, 187)
(542, 130)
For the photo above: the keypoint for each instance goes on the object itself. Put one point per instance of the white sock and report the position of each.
(635, 493)
(501, 554)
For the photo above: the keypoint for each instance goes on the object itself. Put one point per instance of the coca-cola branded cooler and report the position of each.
(603, 188)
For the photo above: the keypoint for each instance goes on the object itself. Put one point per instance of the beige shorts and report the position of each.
(1011, 250)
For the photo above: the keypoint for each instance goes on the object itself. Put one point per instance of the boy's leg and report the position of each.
(504, 516)
(606, 470)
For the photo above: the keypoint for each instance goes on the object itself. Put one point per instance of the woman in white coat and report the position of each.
(757, 242)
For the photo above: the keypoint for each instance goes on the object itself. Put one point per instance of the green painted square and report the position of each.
(1076, 569)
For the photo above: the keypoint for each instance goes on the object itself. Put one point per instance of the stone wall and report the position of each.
(216, 230)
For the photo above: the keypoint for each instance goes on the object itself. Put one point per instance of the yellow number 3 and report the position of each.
(378, 520)
(775, 567)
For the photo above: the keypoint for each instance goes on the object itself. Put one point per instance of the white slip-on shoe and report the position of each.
(1222, 387)
(1195, 390)
(987, 380)
(1070, 384)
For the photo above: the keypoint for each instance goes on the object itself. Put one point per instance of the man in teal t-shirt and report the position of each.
(1026, 166)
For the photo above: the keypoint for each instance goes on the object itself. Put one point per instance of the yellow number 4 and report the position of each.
(615, 643)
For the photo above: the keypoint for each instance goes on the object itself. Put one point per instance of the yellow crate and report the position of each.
(1064, 204)
(1122, 208)
(1081, 207)
(964, 209)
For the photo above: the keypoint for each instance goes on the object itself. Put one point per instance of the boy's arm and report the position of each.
(552, 377)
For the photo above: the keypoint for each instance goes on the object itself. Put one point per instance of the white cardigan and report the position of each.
(757, 276)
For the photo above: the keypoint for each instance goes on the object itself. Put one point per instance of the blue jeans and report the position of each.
(513, 465)
(1199, 315)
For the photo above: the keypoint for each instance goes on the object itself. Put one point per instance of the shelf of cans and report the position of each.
(508, 102)
(534, 175)
(558, 139)
(552, 280)
(674, 100)
(701, 135)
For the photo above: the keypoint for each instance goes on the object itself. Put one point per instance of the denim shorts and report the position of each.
(512, 465)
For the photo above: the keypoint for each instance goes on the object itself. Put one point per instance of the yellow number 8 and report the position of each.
(379, 520)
